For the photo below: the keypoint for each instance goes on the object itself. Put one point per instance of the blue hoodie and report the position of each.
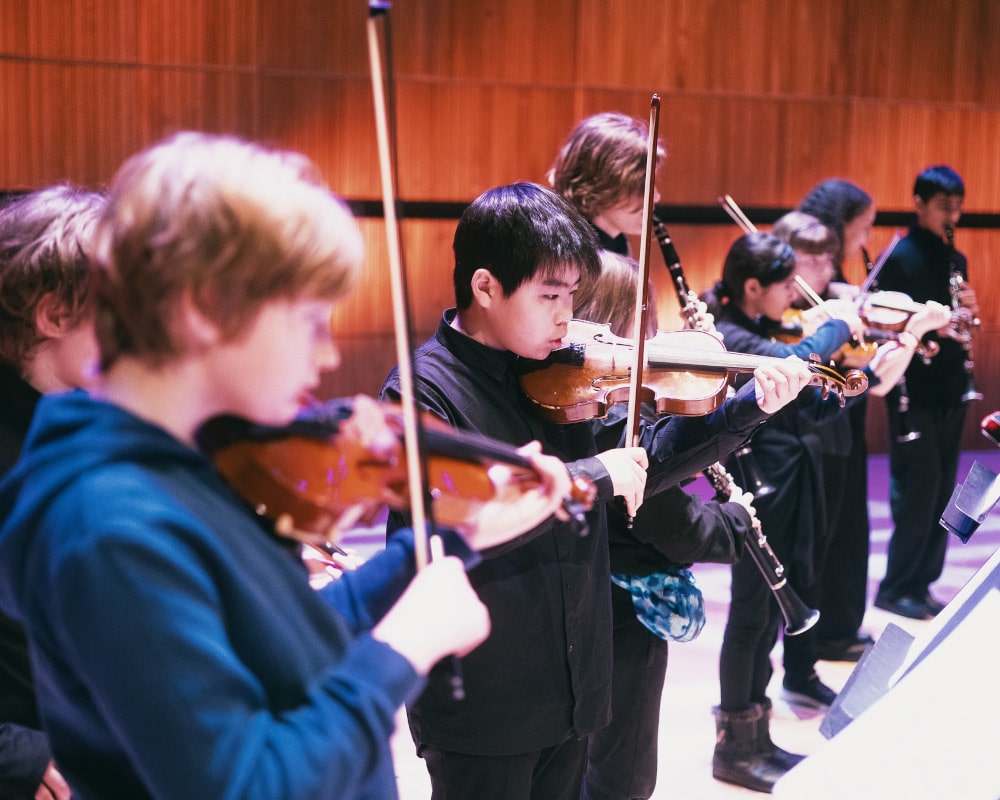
(178, 648)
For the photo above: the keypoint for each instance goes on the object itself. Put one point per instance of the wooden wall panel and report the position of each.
(329, 120)
(317, 37)
(193, 32)
(761, 100)
(526, 42)
(456, 141)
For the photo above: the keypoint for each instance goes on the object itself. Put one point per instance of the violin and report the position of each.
(889, 311)
(686, 372)
(791, 329)
(314, 478)
(887, 314)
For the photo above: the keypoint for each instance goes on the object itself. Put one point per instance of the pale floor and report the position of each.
(687, 731)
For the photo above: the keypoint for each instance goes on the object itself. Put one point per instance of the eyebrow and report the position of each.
(559, 283)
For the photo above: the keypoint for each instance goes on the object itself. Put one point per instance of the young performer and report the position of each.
(756, 288)
(601, 170)
(926, 266)
(178, 648)
(843, 570)
(849, 211)
(541, 684)
(47, 344)
(653, 596)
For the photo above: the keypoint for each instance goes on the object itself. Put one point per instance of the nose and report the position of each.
(327, 356)
(564, 311)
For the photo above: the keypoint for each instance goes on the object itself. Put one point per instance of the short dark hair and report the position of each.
(938, 179)
(516, 232)
(757, 255)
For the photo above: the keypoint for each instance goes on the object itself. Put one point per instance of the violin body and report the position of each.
(856, 354)
(687, 372)
(889, 311)
(581, 380)
(314, 486)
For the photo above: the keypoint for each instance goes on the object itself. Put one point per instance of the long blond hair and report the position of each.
(610, 297)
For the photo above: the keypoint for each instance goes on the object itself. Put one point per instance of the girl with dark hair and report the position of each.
(757, 286)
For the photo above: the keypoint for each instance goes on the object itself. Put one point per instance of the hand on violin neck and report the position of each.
(626, 467)
(845, 310)
(889, 364)
(777, 383)
(518, 507)
(370, 428)
(933, 316)
(439, 614)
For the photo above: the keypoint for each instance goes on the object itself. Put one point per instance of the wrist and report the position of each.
(908, 339)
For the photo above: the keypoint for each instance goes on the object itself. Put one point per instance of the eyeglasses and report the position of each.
(814, 259)
(779, 262)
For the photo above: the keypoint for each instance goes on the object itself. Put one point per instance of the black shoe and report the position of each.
(934, 605)
(845, 649)
(811, 693)
(905, 607)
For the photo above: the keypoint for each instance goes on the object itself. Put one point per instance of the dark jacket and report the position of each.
(789, 449)
(178, 648)
(24, 751)
(920, 266)
(544, 674)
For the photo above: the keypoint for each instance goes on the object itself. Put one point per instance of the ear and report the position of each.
(485, 287)
(752, 288)
(196, 330)
(51, 318)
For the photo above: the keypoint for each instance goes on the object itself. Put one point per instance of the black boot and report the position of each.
(737, 758)
(782, 759)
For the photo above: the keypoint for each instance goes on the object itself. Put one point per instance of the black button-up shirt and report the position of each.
(544, 674)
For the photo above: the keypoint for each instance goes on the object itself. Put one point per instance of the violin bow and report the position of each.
(421, 510)
(642, 285)
(415, 463)
(879, 263)
(734, 211)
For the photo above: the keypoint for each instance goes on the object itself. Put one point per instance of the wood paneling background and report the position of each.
(761, 99)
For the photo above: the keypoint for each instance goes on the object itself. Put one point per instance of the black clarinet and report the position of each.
(964, 321)
(798, 616)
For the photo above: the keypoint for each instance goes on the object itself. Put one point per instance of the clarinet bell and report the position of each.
(971, 392)
(749, 475)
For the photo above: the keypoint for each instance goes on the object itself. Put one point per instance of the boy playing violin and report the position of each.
(178, 648)
(541, 683)
(47, 344)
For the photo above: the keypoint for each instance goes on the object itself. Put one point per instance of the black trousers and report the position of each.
(843, 595)
(923, 473)
(621, 758)
(751, 632)
(554, 773)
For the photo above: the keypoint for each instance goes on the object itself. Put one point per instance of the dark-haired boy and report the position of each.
(541, 683)
(926, 266)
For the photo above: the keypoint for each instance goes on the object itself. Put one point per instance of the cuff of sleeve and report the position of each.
(873, 379)
(593, 469)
